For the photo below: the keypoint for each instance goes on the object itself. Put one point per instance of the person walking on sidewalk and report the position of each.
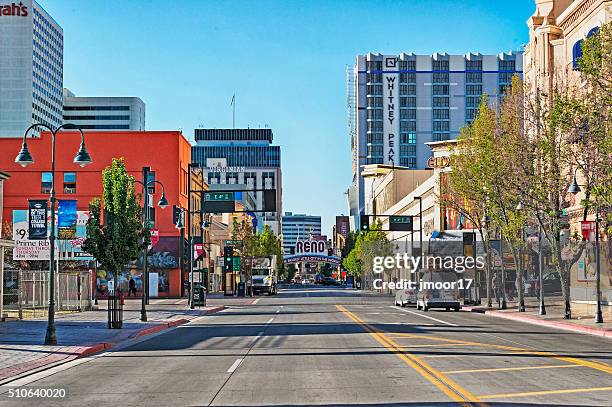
(132, 287)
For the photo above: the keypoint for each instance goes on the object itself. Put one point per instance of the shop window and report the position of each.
(46, 181)
(70, 183)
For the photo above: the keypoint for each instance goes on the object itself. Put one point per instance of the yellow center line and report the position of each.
(434, 345)
(603, 367)
(446, 385)
(544, 392)
(504, 369)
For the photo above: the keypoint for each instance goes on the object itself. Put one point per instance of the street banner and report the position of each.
(587, 227)
(343, 226)
(37, 220)
(67, 219)
(496, 251)
(198, 251)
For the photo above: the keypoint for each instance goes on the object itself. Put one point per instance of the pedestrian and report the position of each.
(132, 287)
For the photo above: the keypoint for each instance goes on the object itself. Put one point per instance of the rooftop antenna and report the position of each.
(233, 104)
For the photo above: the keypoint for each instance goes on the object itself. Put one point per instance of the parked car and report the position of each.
(305, 281)
(405, 297)
(438, 290)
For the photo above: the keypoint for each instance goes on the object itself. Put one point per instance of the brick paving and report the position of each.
(80, 334)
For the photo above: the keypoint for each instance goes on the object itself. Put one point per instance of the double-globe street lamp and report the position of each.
(24, 158)
(574, 188)
(163, 203)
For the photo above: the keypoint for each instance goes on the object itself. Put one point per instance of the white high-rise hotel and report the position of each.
(31, 67)
(397, 103)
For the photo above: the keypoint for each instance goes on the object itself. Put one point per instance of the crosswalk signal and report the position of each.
(228, 259)
(364, 222)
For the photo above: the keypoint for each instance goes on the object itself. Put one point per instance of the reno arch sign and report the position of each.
(311, 247)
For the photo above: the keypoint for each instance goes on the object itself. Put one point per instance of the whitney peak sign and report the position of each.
(13, 9)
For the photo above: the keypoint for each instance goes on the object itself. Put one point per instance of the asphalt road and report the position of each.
(320, 346)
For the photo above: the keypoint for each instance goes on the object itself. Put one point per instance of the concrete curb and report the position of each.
(19, 370)
(566, 326)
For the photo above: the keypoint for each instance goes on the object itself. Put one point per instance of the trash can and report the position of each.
(241, 289)
(199, 297)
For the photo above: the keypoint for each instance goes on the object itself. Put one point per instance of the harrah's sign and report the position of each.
(18, 10)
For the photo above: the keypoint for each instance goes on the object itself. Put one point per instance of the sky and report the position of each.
(284, 60)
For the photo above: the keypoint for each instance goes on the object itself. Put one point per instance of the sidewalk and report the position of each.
(582, 315)
(82, 334)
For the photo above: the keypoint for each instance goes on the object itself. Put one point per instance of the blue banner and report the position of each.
(67, 219)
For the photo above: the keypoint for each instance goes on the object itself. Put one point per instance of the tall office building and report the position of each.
(245, 157)
(397, 103)
(298, 226)
(105, 112)
(31, 67)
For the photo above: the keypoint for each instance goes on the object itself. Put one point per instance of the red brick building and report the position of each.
(167, 153)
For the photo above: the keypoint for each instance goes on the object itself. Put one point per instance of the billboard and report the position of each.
(65, 249)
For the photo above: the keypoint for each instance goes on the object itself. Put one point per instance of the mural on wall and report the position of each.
(163, 256)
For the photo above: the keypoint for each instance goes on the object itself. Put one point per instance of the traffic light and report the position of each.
(176, 214)
(186, 251)
(228, 259)
(364, 222)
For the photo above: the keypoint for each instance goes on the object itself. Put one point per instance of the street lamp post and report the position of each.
(574, 189)
(521, 305)
(24, 158)
(541, 271)
(163, 202)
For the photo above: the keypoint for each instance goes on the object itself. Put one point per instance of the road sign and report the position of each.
(400, 223)
(219, 196)
(233, 242)
(219, 202)
(236, 263)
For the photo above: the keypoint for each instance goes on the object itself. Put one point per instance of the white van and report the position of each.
(438, 289)
(405, 297)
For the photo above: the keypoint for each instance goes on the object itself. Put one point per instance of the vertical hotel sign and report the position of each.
(390, 80)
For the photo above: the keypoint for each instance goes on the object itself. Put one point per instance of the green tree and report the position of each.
(471, 184)
(115, 234)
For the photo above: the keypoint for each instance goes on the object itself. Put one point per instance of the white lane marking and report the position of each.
(277, 311)
(422, 315)
(270, 320)
(234, 366)
(252, 342)
(256, 301)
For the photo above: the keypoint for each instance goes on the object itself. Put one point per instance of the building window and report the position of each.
(214, 178)
(232, 178)
(408, 138)
(576, 54)
(150, 183)
(46, 181)
(441, 114)
(408, 125)
(407, 114)
(268, 176)
(440, 136)
(440, 89)
(70, 182)
(440, 101)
